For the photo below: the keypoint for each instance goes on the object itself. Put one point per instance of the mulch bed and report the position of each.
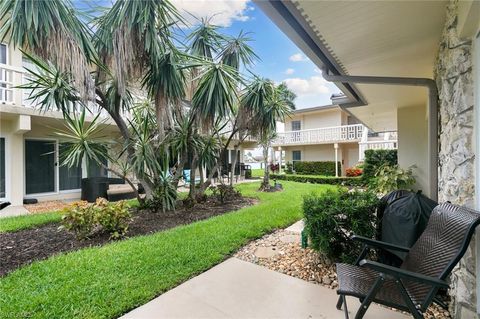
(25, 246)
(48, 206)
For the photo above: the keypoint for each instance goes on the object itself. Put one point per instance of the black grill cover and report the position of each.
(404, 216)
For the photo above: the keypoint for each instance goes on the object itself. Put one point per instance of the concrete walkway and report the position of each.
(239, 289)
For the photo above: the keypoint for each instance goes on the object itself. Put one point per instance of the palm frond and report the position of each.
(237, 51)
(132, 34)
(52, 30)
(216, 95)
(205, 40)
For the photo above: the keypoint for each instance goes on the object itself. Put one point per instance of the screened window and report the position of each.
(2, 168)
(3, 53)
(296, 125)
(70, 177)
(296, 155)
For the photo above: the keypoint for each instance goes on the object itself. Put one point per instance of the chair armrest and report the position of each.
(402, 273)
(379, 244)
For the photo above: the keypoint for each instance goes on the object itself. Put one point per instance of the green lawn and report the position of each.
(105, 282)
(257, 172)
(10, 224)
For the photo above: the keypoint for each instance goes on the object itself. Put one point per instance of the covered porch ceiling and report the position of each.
(369, 38)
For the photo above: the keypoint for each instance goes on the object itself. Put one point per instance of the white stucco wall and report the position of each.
(413, 144)
(318, 119)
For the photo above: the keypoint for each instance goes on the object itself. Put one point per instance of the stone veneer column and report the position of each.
(454, 77)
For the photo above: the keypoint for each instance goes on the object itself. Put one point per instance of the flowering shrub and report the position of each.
(354, 172)
(274, 167)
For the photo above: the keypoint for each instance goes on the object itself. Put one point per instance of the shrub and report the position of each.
(224, 193)
(274, 167)
(80, 218)
(86, 219)
(113, 217)
(353, 172)
(332, 217)
(164, 195)
(289, 168)
(390, 178)
(374, 159)
(343, 181)
(316, 168)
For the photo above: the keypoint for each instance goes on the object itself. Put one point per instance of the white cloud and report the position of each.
(298, 57)
(310, 86)
(317, 71)
(222, 12)
(289, 71)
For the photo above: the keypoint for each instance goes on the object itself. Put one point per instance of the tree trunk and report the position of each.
(200, 168)
(193, 168)
(130, 151)
(161, 112)
(266, 176)
(234, 163)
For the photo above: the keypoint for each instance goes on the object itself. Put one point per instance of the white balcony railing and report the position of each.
(9, 77)
(375, 145)
(343, 133)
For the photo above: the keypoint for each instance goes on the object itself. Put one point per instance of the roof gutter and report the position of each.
(432, 112)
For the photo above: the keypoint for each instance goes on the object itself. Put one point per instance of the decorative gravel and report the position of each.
(281, 251)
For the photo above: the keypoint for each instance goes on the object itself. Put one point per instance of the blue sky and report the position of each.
(281, 60)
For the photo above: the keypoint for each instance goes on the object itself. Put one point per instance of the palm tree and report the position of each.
(287, 95)
(267, 104)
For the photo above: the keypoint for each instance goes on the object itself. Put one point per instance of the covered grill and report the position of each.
(404, 216)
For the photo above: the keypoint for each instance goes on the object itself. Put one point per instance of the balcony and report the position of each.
(9, 78)
(324, 135)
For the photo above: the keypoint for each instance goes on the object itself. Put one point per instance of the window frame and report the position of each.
(299, 125)
(293, 155)
(6, 52)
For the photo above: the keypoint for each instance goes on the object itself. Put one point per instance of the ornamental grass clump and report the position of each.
(334, 216)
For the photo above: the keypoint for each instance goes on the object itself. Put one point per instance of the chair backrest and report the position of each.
(441, 245)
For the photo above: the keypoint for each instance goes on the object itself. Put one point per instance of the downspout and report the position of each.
(432, 113)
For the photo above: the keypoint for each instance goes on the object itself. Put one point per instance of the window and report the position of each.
(296, 125)
(2, 168)
(3, 53)
(296, 155)
(3, 75)
(96, 170)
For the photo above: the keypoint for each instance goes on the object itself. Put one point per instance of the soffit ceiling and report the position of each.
(381, 38)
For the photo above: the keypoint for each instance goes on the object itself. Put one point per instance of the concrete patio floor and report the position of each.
(239, 289)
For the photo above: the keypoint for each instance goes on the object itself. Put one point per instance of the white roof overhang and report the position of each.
(367, 38)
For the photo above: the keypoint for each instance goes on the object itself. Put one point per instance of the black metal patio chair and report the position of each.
(413, 286)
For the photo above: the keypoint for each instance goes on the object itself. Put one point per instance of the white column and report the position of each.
(477, 157)
(336, 159)
(280, 160)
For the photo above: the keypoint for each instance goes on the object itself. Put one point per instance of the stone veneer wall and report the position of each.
(454, 77)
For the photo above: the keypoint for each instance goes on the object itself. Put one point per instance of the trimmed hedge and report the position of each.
(344, 181)
(326, 168)
(376, 158)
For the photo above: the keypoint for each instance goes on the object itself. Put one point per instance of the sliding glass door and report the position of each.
(70, 178)
(3, 190)
(39, 166)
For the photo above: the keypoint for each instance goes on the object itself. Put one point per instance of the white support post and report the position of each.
(336, 159)
(280, 160)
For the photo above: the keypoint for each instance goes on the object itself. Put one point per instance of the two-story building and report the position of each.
(30, 151)
(328, 133)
